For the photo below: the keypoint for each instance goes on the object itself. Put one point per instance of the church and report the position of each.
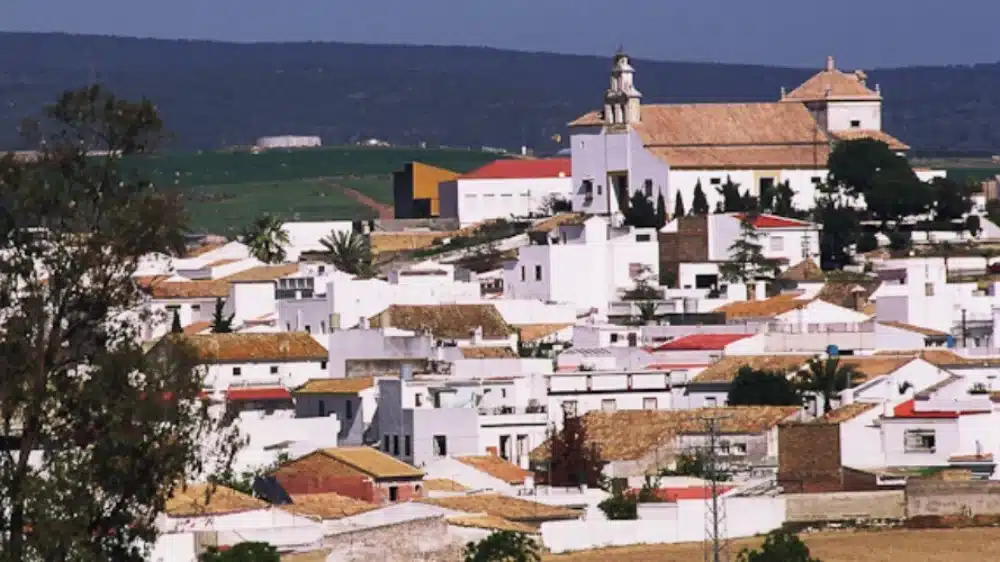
(669, 148)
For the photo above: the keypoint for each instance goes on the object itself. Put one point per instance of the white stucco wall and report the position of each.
(476, 200)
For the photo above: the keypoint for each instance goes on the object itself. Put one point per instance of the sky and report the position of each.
(860, 33)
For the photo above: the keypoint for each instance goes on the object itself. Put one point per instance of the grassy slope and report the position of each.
(225, 191)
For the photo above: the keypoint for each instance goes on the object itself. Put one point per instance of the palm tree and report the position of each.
(350, 252)
(827, 378)
(647, 311)
(266, 238)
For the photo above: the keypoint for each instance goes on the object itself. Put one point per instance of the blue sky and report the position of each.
(861, 33)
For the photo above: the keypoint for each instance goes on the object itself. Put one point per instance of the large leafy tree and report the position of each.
(266, 238)
(572, 460)
(503, 546)
(827, 378)
(854, 164)
(242, 552)
(779, 546)
(350, 252)
(97, 433)
(952, 200)
(753, 387)
(746, 256)
(841, 227)
(699, 203)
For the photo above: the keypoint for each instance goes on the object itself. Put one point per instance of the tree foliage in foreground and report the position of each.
(350, 252)
(779, 546)
(98, 433)
(572, 460)
(503, 546)
(242, 552)
(762, 388)
(266, 239)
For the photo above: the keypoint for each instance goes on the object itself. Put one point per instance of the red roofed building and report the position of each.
(505, 188)
(690, 351)
(702, 342)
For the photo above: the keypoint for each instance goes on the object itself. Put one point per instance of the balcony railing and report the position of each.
(816, 328)
(511, 410)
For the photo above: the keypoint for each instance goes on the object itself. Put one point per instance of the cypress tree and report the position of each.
(700, 204)
(679, 206)
(661, 211)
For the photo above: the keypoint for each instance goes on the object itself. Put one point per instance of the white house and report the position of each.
(506, 188)
(306, 236)
(614, 258)
(580, 391)
(671, 148)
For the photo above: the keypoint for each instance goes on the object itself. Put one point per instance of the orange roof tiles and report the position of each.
(507, 507)
(490, 523)
(534, 332)
(831, 84)
(806, 271)
(197, 328)
(351, 385)
(881, 136)
(456, 321)
(702, 342)
(767, 308)
(846, 412)
(487, 353)
(522, 169)
(372, 462)
(765, 220)
(262, 273)
(327, 506)
(725, 370)
(443, 485)
(252, 347)
(496, 467)
(199, 500)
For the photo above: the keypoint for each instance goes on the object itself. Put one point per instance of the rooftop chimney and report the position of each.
(830, 66)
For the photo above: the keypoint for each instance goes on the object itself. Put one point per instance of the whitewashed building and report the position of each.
(505, 189)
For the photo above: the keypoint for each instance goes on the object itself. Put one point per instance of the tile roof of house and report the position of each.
(767, 308)
(197, 328)
(490, 523)
(534, 332)
(248, 347)
(869, 134)
(217, 263)
(507, 507)
(841, 293)
(159, 288)
(846, 412)
(725, 369)
(555, 221)
(190, 501)
(522, 168)
(942, 357)
(496, 467)
(203, 249)
(907, 410)
(689, 493)
(988, 457)
(721, 135)
(455, 321)
(765, 220)
(875, 366)
(252, 393)
(831, 84)
(493, 352)
(702, 342)
(632, 434)
(262, 273)
(372, 462)
(443, 485)
(806, 271)
(913, 328)
(327, 506)
(350, 385)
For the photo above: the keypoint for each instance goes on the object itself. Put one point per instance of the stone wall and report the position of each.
(943, 498)
(423, 540)
(809, 457)
(688, 245)
(845, 506)
(382, 367)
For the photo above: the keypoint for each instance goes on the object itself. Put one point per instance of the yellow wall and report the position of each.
(425, 183)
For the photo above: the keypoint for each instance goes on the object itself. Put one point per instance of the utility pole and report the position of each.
(716, 540)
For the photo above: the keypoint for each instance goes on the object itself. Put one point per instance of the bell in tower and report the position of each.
(622, 99)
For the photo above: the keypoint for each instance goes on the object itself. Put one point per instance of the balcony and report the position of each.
(782, 337)
(509, 415)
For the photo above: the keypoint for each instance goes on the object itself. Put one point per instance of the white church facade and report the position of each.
(670, 148)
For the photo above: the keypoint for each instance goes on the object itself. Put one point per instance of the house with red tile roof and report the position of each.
(520, 187)
(706, 348)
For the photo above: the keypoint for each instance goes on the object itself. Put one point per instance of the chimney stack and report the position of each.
(830, 66)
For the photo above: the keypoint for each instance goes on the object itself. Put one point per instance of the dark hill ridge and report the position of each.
(215, 94)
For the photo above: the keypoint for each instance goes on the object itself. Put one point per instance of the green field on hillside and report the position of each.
(226, 190)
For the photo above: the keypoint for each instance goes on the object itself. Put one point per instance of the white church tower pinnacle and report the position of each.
(622, 99)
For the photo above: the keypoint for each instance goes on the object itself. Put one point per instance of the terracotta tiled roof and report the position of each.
(443, 485)
(487, 353)
(252, 393)
(847, 412)
(908, 410)
(218, 263)
(702, 342)
(801, 156)
(831, 84)
(859, 134)
(253, 347)
(189, 501)
(197, 328)
(327, 506)
(554, 222)
(534, 332)
(372, 462)
(988, 457)
(202, 250)
(912, 328)
(806, 271)
(943, 357)
(874, 366)
(263, 273)
(205, 288)
(496, 467)
(767, 308)
(352, 385)
(724, 370)
(507, 507)
(765, 220)
(841, 293)
(632, 434)
(517, 168)
(455, 321)
(490, 523)
(401, 241)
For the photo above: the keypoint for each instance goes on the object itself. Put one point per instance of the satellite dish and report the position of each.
(832, 350)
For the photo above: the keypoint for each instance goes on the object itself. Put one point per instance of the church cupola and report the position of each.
(622, 99)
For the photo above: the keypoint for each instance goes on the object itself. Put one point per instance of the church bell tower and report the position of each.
(622, 99)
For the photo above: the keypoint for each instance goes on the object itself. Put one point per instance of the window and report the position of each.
(738, 449)
(643, 237)
(538, 273)
(322, 327)
(440, 445)
(393, 493)
(628, 382)
(608, 405)
(647, 186)
(395, 445)
(322, 408)
(237, 371)
(569, 407)
(407, 446)
(777, 244)
(308, 329)
(523, 275)
(503, 393)
(322, 365)
(288, 326)
(418, 400)
(929, 289)
(816, 180)
(711, 402)
(590, 383)
(348, 410)
(195, 308)
(715, 181)
(765, 184)
(322, 269)
(855, 124)
(614, 338)
(588, 187)
(649, 403)
(385, 443)
(274, 369)
(919, 441)
(598, 189)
